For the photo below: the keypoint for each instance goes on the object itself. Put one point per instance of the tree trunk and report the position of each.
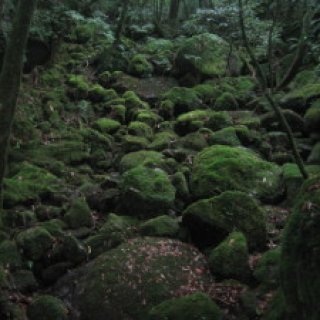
(174, 10)
(10, 78)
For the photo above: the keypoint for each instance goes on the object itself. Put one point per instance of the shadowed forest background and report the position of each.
(159, 160)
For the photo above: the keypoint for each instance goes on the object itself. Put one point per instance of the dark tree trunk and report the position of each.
(10, 78)
(174, 10)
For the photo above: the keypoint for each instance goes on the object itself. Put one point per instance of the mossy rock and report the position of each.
(47, 308)
(314, 157)
(29, 184)
(79, 86)
(107, 125)
(205, 55)
(227, 136)
(116, 230)
(299, 98)
(300, 262)
(148, 117)
(219, 120)
(163, 140)
(191, 121)
(126, 282)
(140, 129)
(207, 92)
(146, 192)
(10, 256)
(25, 281)
(79, 214)
(210, 221)
(135, 159)
(98, 93)
(277, 307)
(140, 66)
(226, 102)
(267, 270)
(312, 118)
(133, 143)
(195, 141)
(35, 243)
(183, 99)
(221, 168)
(162, 226)
(195, 306)
(180, 182)
(230, 259)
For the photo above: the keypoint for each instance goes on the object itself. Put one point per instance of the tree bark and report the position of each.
(174, 10)
(268, 95)
(10, 78)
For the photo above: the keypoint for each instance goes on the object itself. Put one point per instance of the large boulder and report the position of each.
(300, 259)
(220, 168)
(126, 282)
(205, 55)
(211, 220)
(146, 192)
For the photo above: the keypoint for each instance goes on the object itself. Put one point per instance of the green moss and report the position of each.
(79, 214)
(134, 105)
(207, 92)
(140, 129)
(135, 159)
(166, 109)
(277, 308)
(79, 86)
(227, 102)
(126, 282)
(35, 242)
(230, 259)
(115, 230)
(184, 99)
(300, 255)
(211, 220)
(107, 125)
(162, 226)
(314, 157)
(267, 269)
(118, 113)
(163, 140)
(97, 93)
(205, 54)
(220, 168)
(30, 183)
(226, 136)
(191, 121)
(47, 308)
(219, 120)
(148, 117)
(312, 118)
(194, 141)
(9, 255)
(140, 66)
(191, 307)
(132, 143)
(146, 192)
(180, 182)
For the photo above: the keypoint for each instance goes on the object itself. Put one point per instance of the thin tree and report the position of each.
(10, 78)
(268, 95)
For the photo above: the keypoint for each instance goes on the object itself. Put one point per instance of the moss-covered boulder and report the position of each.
(47, 308)
(35, 243)
(10, 256)
(267, 270)
(230, 259)
(146, 192)
(140, 129)
(312, 118)
(140, 66)
(126, 282)
(29, 184)
(314, 157)
(182, 99)
(219, 120)
(107, 125)
(162, 226)
(227, 136)
(79, 86)
(210, 221)
(300, 261)
(145, 157)
(116, 230)
(205, 55)
(191, 121)
(79, 214)
(221, 168)
(163, 140)
(195, 306)
(132, 143)
(226, 102)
